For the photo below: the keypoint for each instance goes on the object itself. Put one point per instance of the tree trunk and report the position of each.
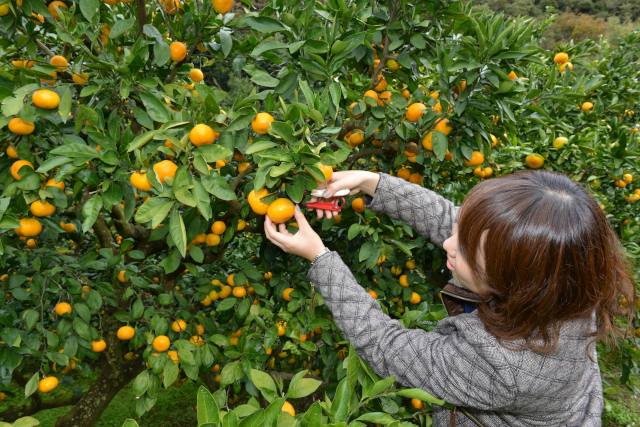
(92, 403)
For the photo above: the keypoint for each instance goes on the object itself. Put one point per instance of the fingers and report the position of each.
(283, 230)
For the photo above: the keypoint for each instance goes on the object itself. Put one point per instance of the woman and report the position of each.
(536, 256)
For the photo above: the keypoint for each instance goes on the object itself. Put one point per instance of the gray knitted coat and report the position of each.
(460, 361)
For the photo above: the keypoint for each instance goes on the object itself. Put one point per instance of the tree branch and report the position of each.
(241, 175)
(142, 16)
(44, 48)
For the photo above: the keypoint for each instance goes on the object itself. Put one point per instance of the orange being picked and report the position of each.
(257, 205)
(196, 75)
(178, 51)
(261, 123)
(222, 6)
(358, 205)
(16, 166)
(201, 135)
(477, 158)
(139, 180)
(20, 127)
(126, 333)
(415, 111)
(46, 99)
(281, 210)
(327, 171)
(40, 209)
(165, 169)
(52, 8)
(60, 62)
(533, 161)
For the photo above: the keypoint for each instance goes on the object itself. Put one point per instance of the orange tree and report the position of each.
(133, 192)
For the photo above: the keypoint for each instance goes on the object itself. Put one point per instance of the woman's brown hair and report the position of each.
(550, 256)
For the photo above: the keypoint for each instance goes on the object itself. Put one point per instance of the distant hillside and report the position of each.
(576, 20)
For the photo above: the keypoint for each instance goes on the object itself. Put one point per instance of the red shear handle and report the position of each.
(334, 206)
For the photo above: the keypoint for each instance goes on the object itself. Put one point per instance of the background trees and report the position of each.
(152, 269)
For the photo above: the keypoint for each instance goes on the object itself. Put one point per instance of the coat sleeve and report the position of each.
(431, 215)
(458, 362)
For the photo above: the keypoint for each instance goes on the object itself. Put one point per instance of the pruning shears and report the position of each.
(334, 205)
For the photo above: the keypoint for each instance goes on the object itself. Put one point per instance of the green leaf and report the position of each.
(161, 52)
(302, 387)
(340, 405)
(120, 27)
(203, 201)
(156, 109)
(260, 146)
(263, 380)
(379, 387)
(253, 420)
(227, 304)
(26, 422)
(130, 423)
(267, 46)
(171, 263)
(65, 104)
(353, 368)
(90, 210)
(150, 209)
(208, 412)
(140, 140)
(82, 152)
(178, 232)
(283, 130)
(377, 418)
(416, 393)
(230, 373)
(32, 386)
(52, 163)
(89, 8)
(439, 143)
(217, 186)
(141, 383)
(264, 24)
(265, 80)
(212, 152)
(226, 42)
(313, 417)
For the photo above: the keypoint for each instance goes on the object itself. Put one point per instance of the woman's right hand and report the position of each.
(355, 181)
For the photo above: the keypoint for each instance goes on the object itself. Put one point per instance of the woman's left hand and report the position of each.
(305, 243)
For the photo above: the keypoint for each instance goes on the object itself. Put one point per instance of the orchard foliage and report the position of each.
(129, 229)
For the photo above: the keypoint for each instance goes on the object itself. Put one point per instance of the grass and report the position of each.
(622, 401)
(175, 407)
